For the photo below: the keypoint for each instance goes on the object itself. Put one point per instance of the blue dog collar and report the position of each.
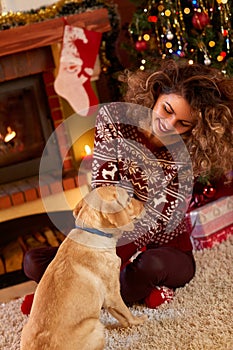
(95, 231)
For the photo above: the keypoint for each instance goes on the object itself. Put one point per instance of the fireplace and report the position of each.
(30, 110)
(29, 55)
(25, 126)
(28, 66)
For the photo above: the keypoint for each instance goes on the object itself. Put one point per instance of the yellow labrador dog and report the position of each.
(84, 277)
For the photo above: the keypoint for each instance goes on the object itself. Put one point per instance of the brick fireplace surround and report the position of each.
(25, 51)
(29, 51)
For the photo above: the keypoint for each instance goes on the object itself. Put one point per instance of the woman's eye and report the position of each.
(186, 124)
(167, 109)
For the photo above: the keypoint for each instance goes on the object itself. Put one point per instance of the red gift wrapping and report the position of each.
(211, 223)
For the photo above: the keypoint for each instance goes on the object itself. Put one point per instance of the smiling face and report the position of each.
(171, 116)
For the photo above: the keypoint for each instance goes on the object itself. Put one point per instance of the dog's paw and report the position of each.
(137, 320)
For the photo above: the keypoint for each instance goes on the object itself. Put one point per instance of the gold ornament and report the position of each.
(167, 13)
(212, 43)
(168, 45)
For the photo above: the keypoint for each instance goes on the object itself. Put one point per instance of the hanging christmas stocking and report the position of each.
(78, 56)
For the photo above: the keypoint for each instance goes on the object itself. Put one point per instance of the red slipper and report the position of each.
(27, 304)
(158, 296)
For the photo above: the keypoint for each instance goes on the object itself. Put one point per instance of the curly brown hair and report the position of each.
(210, 96)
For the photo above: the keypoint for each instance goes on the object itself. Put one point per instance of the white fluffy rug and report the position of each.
(199, 317)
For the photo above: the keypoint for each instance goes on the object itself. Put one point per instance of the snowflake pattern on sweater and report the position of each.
(161, 178)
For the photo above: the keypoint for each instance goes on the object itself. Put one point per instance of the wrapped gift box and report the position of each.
(211, 223)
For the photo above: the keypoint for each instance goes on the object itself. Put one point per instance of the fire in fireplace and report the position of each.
(25, 126)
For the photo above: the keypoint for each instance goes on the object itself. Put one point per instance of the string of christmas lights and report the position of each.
(195, 30)
(58, 9)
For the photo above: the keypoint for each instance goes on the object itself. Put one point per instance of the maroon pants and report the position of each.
(164, 266)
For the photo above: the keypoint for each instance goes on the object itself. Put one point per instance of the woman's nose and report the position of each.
(170, 122)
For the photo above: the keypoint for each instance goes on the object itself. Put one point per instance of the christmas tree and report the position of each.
(197, 31)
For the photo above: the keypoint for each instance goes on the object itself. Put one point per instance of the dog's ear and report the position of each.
(118, 208)
(77, 208)
(112, 199)
(120, 220)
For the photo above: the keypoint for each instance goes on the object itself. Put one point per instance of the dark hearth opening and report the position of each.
(25, 126)
(28, 232)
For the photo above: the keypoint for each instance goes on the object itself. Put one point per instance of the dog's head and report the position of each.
(108, 208)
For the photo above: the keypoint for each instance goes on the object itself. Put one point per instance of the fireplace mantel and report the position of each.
(36, 35)
(27, 51)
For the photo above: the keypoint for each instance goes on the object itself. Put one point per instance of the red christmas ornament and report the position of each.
(225, 32)
(141, 45)
(200, 20)
(209, 191)
(223, 54)
(152, 19)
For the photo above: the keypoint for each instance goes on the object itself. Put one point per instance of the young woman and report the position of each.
(175, 124)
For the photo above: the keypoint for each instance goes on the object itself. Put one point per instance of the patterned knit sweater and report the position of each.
(161, 178)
